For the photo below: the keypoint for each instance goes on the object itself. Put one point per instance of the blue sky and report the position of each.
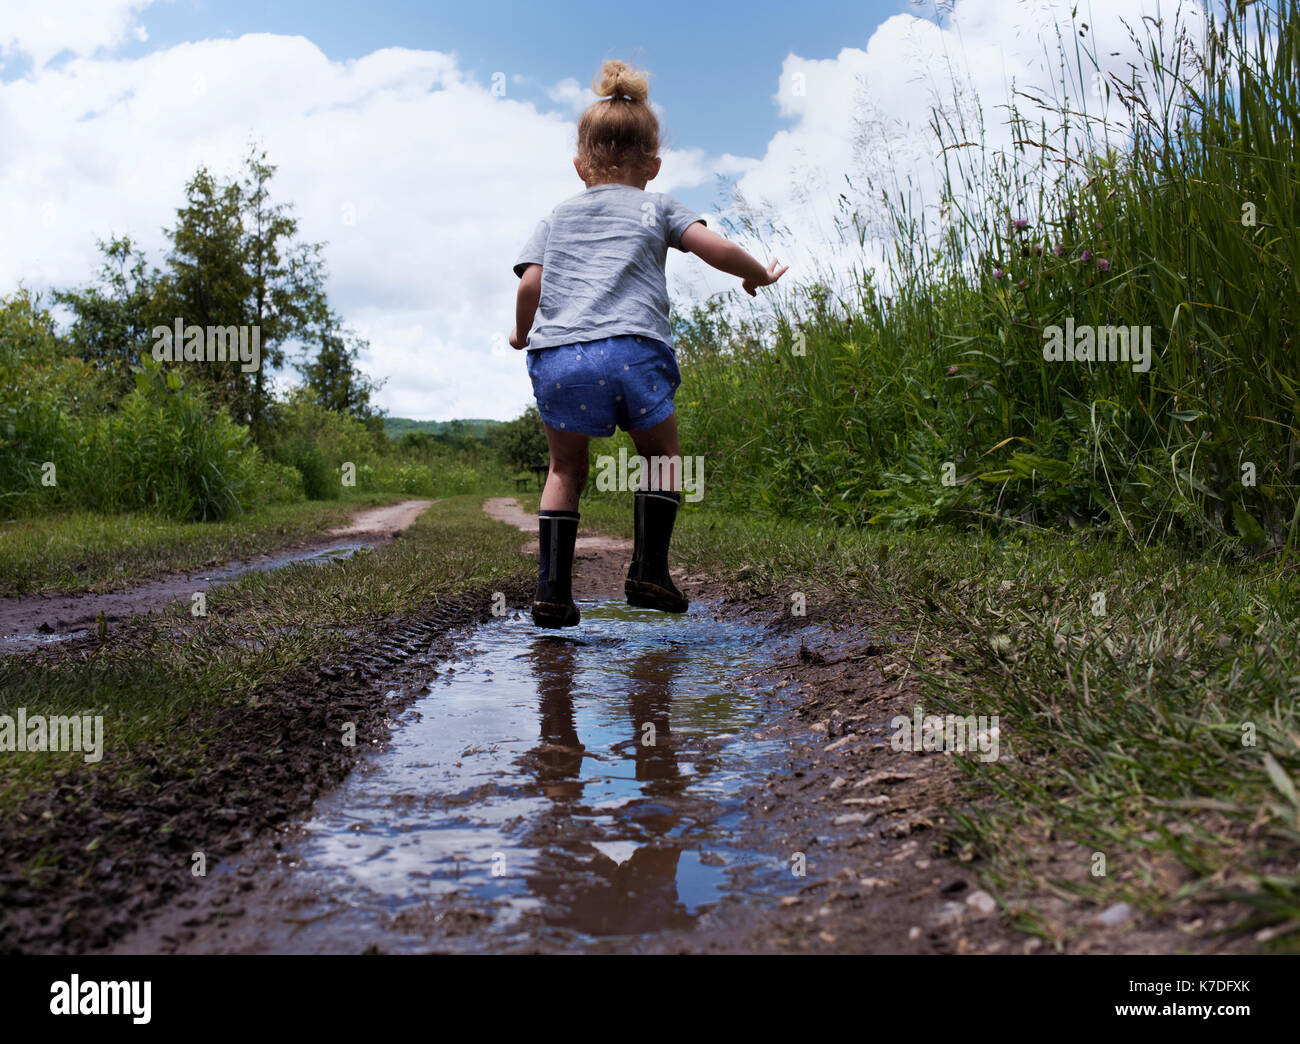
(712, 64)
(424, 184)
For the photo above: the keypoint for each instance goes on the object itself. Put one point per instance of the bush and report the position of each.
(319, 481)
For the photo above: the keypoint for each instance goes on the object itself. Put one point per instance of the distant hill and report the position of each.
(396, 427)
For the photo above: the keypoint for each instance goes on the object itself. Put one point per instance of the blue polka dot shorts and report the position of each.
(591, 388)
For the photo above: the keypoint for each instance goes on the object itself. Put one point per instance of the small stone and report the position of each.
(914, 933)
(982, 903)
(837, 782)
(854, 819)
(1114, 916)
(950, 912)
(841, 742)
(791, 900)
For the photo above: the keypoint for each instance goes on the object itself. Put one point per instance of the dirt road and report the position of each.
(740, 828)
(32, 620)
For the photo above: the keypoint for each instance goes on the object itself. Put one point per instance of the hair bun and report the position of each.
(619, 80)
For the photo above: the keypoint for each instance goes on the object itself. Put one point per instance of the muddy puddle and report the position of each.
(546, 788)
(64, 617)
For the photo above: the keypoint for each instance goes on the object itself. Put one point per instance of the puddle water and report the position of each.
(587, 781)
(159, 593)
(320, 556)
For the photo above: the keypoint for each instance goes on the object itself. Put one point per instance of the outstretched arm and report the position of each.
(725, 256)
(528, 296)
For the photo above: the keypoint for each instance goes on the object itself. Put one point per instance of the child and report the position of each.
(601, 354)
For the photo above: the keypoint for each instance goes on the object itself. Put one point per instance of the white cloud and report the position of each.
(425, 185)
(569, 93)
(865, 114)
(43, 29)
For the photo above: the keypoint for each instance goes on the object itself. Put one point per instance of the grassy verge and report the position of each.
(159, 688)
(93, 551)
(1147, 697)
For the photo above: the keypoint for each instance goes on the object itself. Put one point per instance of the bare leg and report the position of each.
(568, 474)
(661, 441)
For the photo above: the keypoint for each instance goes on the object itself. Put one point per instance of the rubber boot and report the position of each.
(648, 584)
(553, 605)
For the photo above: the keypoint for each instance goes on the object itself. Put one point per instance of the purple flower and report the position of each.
(1019, 223)
(998, 273)
(1038, 249)
(952, 370)
(1086, 255)
(1058, 250)
(1022, 284)
(1103, 265)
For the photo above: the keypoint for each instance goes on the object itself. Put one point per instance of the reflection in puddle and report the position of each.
(588, 780)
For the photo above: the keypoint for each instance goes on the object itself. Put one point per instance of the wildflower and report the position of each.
(1058, 250)
(1103, 265)
(952, 370)
(1022, 284)
(1038, 248)
(1086, 255)
(1019, 223)
(998, 273)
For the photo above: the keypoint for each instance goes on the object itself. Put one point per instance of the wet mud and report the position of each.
(716, 782)
(31, 621)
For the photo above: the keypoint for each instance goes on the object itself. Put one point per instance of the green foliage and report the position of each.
(398, 427)
(114, 317)
(332, 377)
(520, 443)
(65, 444)
(936, 402)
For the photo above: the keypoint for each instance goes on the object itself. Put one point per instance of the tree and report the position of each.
(114, 316)
(287, 297)
(208, 283)
(332, 376)
(235, 261)
(521, 443)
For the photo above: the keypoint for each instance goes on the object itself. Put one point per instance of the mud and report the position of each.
(750, 836)
(773, 816)
(31, 621)
(550, 790)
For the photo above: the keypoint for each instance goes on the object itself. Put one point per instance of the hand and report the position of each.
(514, 338)
(771, 276)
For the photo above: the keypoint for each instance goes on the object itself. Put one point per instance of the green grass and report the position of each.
(159, 692)
(93, 551)
(924, 395)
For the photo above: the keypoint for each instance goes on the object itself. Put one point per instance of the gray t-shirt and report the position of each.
(602, 255)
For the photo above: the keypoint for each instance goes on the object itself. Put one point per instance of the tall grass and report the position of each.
(928, 396)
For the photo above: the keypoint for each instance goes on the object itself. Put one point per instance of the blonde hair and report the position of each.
(618, 137)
